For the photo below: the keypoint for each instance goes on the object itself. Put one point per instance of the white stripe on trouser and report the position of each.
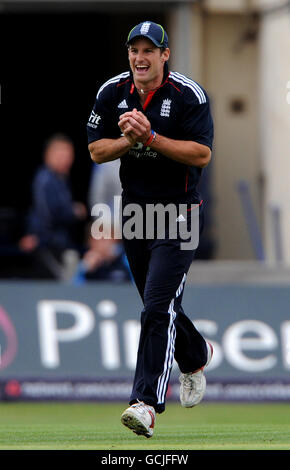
(169, 356)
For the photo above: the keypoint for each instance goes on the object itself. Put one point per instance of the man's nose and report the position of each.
(139, 56)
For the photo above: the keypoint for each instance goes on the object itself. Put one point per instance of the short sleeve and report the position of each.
(197, 122)
(101, 123)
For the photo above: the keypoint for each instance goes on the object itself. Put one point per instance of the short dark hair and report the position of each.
(162, 49)
(57, 137)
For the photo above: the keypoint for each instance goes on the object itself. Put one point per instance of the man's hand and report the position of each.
(28, 243)
(135, 126)
(80, 210)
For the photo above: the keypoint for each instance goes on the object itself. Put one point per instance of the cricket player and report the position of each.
(158, 122)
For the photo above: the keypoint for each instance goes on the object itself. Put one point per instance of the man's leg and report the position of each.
(163, 290)
(190, 346)
(138, 258)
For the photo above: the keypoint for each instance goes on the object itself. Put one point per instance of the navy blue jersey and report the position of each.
(178, 109)
(52, 217)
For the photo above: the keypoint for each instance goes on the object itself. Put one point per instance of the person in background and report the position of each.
(103, 260)
(54, 215)
(104, 184)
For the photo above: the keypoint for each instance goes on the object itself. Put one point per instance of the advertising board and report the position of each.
(59, 341)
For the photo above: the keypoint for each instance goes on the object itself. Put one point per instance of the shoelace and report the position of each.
(187, 382)
(140, 403)
(190, 384)
(140, 406)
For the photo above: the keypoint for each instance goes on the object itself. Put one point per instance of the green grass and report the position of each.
(209, 426)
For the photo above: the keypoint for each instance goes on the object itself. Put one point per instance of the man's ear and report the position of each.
(166, 54)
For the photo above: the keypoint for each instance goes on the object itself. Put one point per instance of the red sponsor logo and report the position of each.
(13, 388)
(8, 350)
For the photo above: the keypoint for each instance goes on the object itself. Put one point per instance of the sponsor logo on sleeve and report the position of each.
(94, 120)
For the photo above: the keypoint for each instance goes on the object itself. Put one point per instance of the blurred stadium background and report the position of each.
(71, 338)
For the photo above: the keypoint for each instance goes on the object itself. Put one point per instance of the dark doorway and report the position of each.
(51, 68)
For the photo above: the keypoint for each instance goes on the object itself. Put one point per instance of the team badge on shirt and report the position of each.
(165, 108)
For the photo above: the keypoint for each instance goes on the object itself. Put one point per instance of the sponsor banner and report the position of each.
(78, 339)
(119, 390)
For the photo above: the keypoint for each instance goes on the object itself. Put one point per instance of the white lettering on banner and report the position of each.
(247, 345)
(131, 329)
(285, 339)
(210, 328)
(107, 308)
(50, 335)
(109, 336)
(234, 345)
(109, 341)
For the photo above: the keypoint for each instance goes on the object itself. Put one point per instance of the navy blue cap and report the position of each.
(153, 31)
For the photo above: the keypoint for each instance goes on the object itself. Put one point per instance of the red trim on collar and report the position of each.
(149, 98)
(151, 93)
(123, 83)
(173, 86)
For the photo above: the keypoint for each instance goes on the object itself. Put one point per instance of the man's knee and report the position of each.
(156, 313)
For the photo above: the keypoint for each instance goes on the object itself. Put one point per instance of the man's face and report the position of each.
(147, 61)
(59, 157)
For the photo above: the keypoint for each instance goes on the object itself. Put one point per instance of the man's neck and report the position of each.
(145, 88)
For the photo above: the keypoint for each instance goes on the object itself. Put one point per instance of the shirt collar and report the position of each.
(164, 80)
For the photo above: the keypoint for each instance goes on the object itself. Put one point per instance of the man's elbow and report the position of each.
(95, 153)
(96, 158)
(204, 158)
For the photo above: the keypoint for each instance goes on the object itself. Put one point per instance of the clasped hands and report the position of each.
(135, 127)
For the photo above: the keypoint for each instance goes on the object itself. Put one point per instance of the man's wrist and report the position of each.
(151, 138)
(128, 141)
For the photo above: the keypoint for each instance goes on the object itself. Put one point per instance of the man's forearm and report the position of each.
(187, 152)
(106, 150)
(183, 151)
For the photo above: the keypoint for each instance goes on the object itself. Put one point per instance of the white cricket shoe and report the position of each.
(140, 418)
(193, 384)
